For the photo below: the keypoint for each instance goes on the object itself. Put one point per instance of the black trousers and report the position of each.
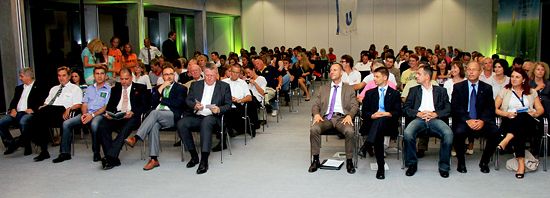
(206, 125)
(376, 137)
(233, 117)
(463, 131)
(45, 118)
(123, 127)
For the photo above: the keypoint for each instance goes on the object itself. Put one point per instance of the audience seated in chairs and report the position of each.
(473, 113)
(207, 101)
(134, 100)
(334, 108)
(94, 103)
(25, 102)
(61, 100)
(519, 106)
(240, 95)
(381, 112)
(428, 105)
(168, 102)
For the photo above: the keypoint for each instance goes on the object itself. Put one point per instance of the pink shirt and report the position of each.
(371, 85)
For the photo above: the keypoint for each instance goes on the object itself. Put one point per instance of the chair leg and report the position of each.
(496, 156)
(182, 151)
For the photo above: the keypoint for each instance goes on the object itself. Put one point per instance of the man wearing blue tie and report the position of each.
(473, 112)
(381, 111)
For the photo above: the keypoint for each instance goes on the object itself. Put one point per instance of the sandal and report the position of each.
(307, 99)
(520, 176)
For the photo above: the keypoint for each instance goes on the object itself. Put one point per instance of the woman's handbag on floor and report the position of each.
(531, 163)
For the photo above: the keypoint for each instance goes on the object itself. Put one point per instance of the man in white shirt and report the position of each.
(488, 73)
(240, 95)
(26, 100)
(364, 66)
(61, 100)
(350, 74)
(257, 85)
(148, 53)
(215, 59)
(427, 105)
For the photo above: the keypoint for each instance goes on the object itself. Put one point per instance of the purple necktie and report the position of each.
(332, 101)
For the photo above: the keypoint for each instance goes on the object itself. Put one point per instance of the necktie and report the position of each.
(124, 107)
(381, 107)
(165, 94)
(56, 95)
(149, 55)
(332, 102)
(473, 97)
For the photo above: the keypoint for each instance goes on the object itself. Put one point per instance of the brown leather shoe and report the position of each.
(151, 164)
(131, 141)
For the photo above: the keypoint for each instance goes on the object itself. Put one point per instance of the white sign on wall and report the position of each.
(346, 16)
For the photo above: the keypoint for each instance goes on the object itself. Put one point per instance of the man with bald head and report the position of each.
(148, 53)
(194, 73)
(334, 108)
(206, 102)
(473, 112)
(133, 100)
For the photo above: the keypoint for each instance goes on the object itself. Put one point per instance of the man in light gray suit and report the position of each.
(334, 107)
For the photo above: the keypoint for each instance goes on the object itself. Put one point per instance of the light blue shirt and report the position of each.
(96, 98)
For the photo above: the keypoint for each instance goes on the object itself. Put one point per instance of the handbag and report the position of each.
(531, 163)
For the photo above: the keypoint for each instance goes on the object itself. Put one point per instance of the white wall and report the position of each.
(464, 24)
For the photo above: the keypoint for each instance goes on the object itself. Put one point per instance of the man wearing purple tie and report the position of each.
(335, 106)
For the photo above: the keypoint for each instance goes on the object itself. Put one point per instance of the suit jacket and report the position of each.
(36, 97)
(139, 98)
(349, 102)
(221, 96)
(485, 104)
(175, 101)
(169, 50)
(440, 100)
(392, 104)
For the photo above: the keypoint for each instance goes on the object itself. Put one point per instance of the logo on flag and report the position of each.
(346, 15)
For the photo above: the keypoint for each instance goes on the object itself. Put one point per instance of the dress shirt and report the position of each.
(354, 77)
(207, 95)
(164, 107)
(470, 91)
(143, 54)
(427, 103)
(22, 105)
(338, 107)
(239, 88)
(128, 91)
(260, 80)
(70, 95)
(95, 97)
(379, 92)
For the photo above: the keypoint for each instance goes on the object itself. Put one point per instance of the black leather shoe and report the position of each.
(461, 168)
(11, 149)
(177, 144)
(218, 147)
(411, 170)
(110, 163)
(444, 174)
(350, 167)
(420, 153)
(484, 168)
(42, 156)
(97, 157)
(314, 166)
(380, 174)
(62, 157)
(203, 167)
(192, 162)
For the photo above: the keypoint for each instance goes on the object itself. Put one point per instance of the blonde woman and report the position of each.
(89, 59)
(141, 77)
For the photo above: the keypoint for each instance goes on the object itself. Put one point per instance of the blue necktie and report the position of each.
(381, 107)
(473, 97)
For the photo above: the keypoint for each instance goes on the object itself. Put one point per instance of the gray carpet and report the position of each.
(274, 164)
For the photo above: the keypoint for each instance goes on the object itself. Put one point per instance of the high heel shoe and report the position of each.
(520, 176)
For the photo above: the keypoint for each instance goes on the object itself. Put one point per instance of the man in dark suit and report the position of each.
(128, 97)
(381, 111)
(207, 101)
(168, 103)
(428, 105)
(334, 108)
(473, 112)
(169, 49)
(26, 100)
